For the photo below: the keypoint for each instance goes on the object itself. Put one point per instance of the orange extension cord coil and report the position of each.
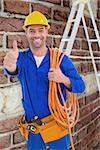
(67, 113)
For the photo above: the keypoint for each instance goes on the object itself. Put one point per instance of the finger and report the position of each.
(15, 48)
(7, 61)
(9, 66)
(10, 59)
(51, 73)
(52, 79)
(51, 76)
(51, 69)
(12, 56)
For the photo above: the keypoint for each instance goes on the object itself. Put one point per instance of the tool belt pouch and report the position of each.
(51, 131)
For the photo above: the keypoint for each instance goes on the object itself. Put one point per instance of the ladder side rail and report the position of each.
(94, 23)
(91, 53)
(75, 28)
(68, 26)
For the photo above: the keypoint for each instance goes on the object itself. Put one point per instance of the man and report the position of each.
(32, 68)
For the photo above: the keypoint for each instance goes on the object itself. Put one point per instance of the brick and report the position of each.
(79, 53)
(5, 142)
(85, 67)
(49, 41)
(86, 110)
(61, 14)
(3, 78)
(18, 138)
(91, 67)
(98, 3)
(98, 25)
(56, 42)
(43, 9)
(8, 125)
(97, 121)
(95, 46)
(91, 98)
(56, 29)
(96, 54)
(82, 122)
(82, 102)
(91, 33)
(96, 104)
(23, 147)
(98, 13)
(80, 33)
(2, 55)
(82, 133)
(78, 146)
(78, 67)
(16, 7)
(98, 66)
(76, 44)
(95, 113)
(90, 127)
(85, 45)
(53, 1)
(87, 19)
(66, 3)
(1, 40)
(11, 24)
(87, 139)
(90, 145)
(21, 41)
(91, 24)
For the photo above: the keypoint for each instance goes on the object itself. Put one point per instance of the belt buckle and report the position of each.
(31, 128)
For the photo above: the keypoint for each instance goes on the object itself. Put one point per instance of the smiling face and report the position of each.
(36, 35)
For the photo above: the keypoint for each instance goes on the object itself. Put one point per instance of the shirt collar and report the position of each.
(46, 58)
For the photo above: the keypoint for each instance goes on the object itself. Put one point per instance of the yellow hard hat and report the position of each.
(35, 18)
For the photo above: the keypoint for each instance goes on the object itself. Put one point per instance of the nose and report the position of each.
(36, 34)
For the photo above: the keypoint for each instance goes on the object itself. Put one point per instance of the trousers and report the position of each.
(35, 142)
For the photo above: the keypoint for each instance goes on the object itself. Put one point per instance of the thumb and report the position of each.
(15, 48)
(52, 69)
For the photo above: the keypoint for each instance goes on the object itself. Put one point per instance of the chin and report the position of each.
(37, 45)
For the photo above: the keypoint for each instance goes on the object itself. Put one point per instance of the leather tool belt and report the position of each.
(49, 129)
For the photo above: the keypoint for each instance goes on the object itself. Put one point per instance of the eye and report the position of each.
(31, 31)
(41, 30)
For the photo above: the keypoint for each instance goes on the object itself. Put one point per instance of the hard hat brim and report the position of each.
(24, 27)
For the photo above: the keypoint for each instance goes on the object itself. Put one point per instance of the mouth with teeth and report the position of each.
(37, 42)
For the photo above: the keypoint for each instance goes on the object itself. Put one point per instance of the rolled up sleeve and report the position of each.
(69, 69)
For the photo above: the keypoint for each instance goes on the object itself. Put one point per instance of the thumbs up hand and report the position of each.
(11, 58)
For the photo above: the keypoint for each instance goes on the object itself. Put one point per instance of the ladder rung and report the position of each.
(63, 40)
(93, 40)
(83, 57)
(73, 20)
(98, 74)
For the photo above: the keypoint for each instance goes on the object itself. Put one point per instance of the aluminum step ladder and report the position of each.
(76, 15)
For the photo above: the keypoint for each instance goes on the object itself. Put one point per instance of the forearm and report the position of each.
(66, 81)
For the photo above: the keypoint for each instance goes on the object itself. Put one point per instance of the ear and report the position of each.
(46, 30)
(26, 32)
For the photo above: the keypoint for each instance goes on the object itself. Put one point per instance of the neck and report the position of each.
(39, 51)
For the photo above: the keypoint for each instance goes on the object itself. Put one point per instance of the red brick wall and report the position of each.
(12, 16)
